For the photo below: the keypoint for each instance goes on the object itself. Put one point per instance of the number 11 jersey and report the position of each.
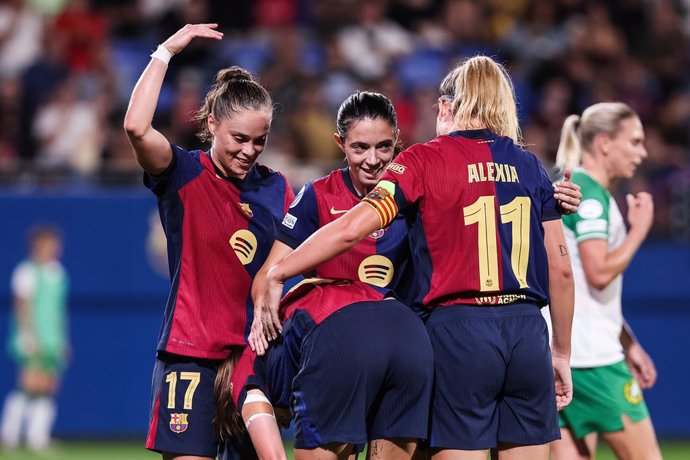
(476, 202)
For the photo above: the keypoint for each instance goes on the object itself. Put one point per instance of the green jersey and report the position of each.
(44, 288)
(598, 316)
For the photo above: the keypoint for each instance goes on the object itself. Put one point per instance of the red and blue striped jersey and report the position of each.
(479, 202)
(219, 233)
(371, 269)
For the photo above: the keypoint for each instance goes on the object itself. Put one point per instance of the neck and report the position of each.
(359, 188)
(596, 168)
(472, 123)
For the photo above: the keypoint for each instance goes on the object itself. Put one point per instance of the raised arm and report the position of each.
(561, 289)
(151, 148)
(600, 265)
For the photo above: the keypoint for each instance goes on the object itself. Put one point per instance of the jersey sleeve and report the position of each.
(23, 281)
(289, 196)
(400, 186)
(183, 167)
(591, 221)
(550, 210)
(301, 219)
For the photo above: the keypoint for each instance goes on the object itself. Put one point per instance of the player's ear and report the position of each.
(340, 141)
(211, 120)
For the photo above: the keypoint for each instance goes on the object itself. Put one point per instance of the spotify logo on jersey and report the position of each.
(376, 270)
(243, 242)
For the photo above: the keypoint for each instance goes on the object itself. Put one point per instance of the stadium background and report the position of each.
(67, 68)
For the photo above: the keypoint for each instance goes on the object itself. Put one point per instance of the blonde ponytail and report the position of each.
(569, 152)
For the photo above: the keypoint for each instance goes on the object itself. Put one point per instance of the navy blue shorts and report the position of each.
(365, 373)
(493, 377)
(183, 406)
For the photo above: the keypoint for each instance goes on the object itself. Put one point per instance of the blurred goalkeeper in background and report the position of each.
(37, 341)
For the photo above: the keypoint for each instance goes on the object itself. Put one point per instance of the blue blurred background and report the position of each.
(67, 69)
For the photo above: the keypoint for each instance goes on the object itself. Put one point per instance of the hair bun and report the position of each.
(233, 73)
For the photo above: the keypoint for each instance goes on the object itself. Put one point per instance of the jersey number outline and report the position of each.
(483, 213)
(194, 379)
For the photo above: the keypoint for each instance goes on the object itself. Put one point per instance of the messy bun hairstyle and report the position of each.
(234, 90)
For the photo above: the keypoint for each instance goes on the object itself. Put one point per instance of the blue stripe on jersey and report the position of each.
(538, 189)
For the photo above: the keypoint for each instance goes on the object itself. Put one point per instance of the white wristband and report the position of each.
(162, 54)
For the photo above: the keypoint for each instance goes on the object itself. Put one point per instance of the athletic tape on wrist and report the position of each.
(162, 54)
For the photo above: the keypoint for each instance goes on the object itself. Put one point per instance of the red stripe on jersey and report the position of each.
(207, 321)
(153, 423)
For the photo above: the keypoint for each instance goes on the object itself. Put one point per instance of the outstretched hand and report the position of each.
(567, 193)
(180, 39)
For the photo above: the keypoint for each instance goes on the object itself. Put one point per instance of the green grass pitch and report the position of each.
(135, 451)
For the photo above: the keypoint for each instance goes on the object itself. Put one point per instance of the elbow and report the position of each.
(565, 273)
(598, 281)
(133, 129)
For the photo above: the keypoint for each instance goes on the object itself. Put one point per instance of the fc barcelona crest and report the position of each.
(247, 210)
(178, 423)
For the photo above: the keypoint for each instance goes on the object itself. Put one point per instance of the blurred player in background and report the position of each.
(220, 211)
(605, 144)
(37, 341)
(486, 231)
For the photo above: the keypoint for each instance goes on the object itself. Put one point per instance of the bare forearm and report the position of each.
(627, 336)
(561, 286)
(328, 242)
(618, 260)
(151, 148)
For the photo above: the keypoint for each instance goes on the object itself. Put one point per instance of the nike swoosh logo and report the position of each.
(337, 211)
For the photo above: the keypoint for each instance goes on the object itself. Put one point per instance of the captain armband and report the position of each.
(382, 200)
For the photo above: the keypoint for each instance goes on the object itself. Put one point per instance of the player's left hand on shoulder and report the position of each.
(568, 194)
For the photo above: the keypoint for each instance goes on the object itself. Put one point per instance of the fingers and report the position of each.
(566, 174)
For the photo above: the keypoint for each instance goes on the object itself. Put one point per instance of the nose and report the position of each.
(248, 148)
(371, 158)
(643, 152)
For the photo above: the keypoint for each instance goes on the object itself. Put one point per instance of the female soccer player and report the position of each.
(37, 341)
(220, 211)
(374, 356)
(605, 144)
(485, 230)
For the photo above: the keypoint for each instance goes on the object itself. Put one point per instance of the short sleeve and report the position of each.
(301, 219)
(184, 166)
(24, 281)
(550, 210)
(591, 221)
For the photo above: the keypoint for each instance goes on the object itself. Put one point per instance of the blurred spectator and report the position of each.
(371, 44)
(84, 33)
(69, 134)
(21, 29)
(38, 341)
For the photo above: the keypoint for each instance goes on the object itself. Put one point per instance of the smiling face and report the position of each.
(626, 149)
(369, 146)
(239, 140)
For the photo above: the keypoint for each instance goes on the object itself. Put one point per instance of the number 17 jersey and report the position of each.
(477, 202)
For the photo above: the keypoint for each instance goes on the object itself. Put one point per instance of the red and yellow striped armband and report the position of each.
(381, 199)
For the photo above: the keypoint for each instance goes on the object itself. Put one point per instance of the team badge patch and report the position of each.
(178, 423)
(632, 392)
(377, 234)
(246, 209)
(244, 243)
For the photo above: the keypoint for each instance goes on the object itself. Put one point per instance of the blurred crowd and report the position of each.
(67, 68)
